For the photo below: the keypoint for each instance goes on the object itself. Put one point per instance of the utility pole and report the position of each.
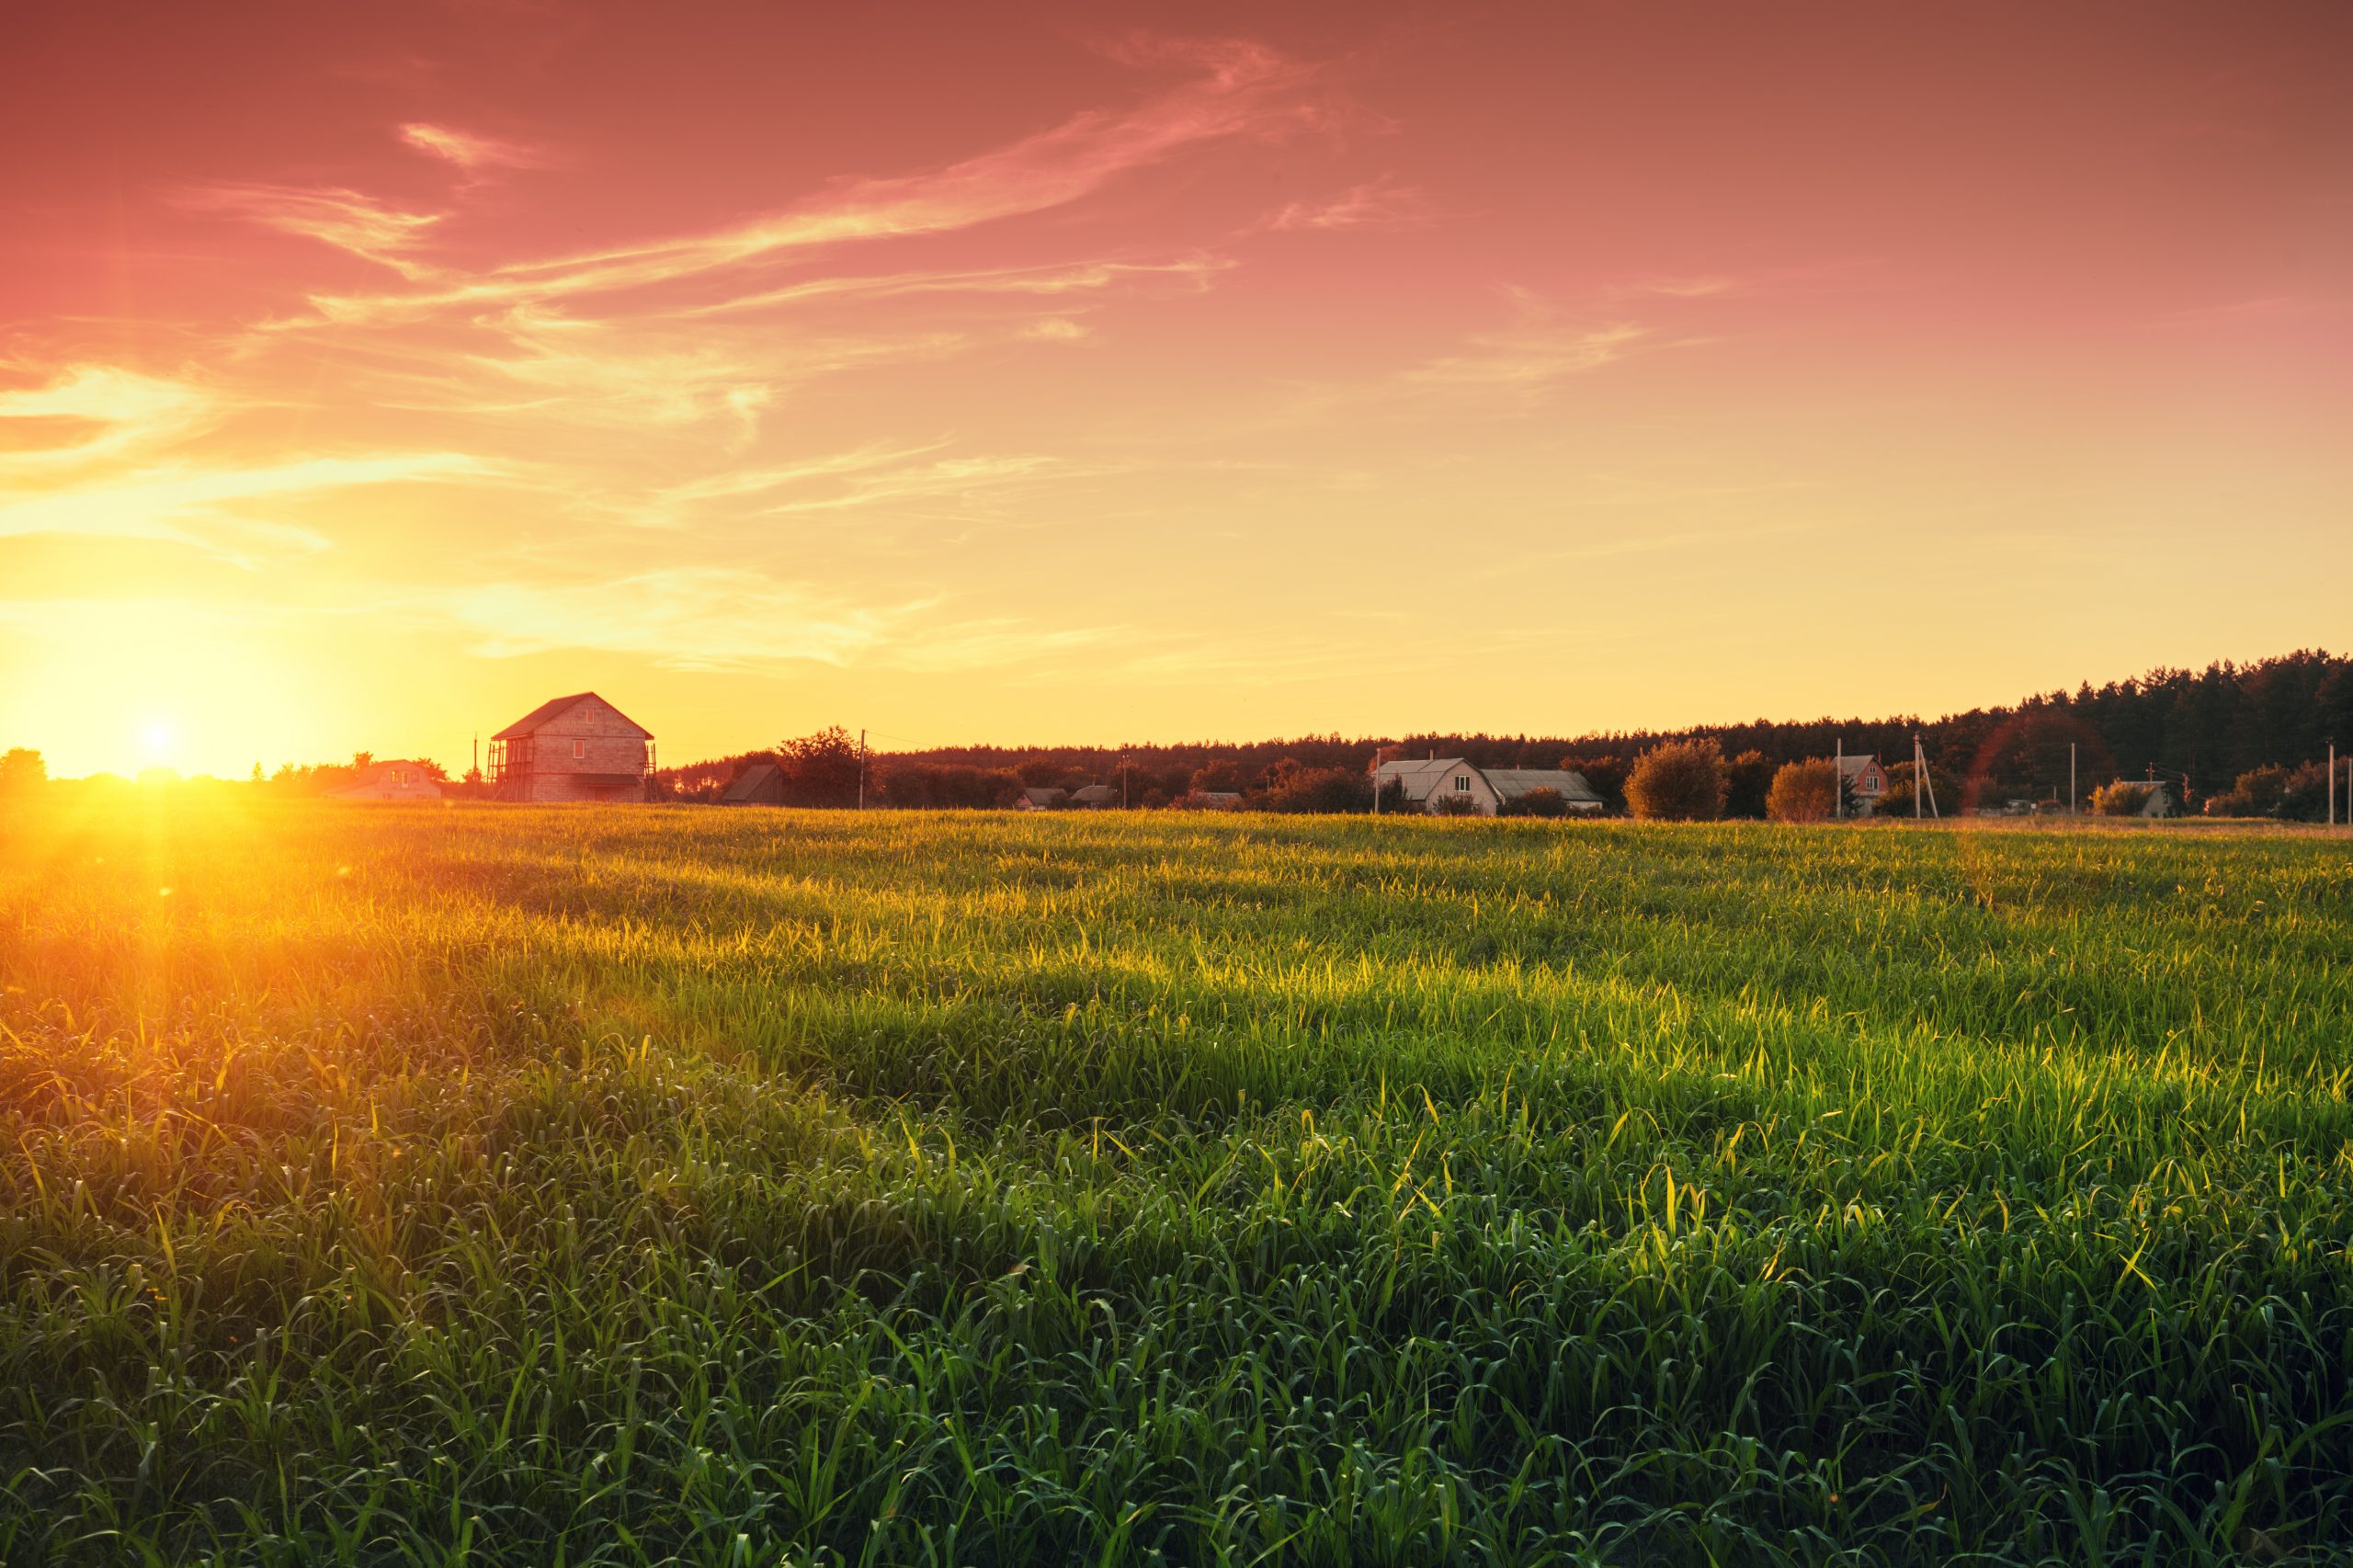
(2071, 779)
(1839, 779)
(1123, 781)
(1921, 783)
(2332, 785)
(861, 769)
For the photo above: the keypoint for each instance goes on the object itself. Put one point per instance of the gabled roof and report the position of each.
(1044, 796)
(547, 713)
(1420, 777)
(1851, 763)
(759, 778)
(1511, 783)
(1092, 793)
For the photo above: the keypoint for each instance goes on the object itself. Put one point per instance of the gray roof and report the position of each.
(757, 782)
(1855, 761)
(1096, 794)
(1420, 777)
(1511, 783)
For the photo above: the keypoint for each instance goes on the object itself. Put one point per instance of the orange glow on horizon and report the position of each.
(366, 378)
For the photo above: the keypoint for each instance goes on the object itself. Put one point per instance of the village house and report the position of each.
(574, 748)
(760, 784)
(391, 781)
(1095, 798)
(1037, 799)
(1866, 781)
(1425, 784)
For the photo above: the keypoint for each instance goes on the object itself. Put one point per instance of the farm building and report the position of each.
(574, 748)
(1041, 800)
(1095, 798)
(1866, 781)
(760, 784)
(1488, 789)
(391, 781)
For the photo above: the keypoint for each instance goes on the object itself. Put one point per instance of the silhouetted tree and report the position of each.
(821, 769)
(22, 771)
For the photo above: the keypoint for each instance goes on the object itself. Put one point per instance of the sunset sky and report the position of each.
(369, 374)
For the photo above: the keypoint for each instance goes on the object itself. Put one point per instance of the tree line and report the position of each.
(2234, 739)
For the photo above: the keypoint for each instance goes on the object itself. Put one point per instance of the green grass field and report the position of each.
(675, 1186)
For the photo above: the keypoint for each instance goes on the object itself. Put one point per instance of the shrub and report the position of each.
(1748, 784)
(1453, 806)
(1679, 782)
(2121, 799)
(1803, 791)
(1539, 802)
(2299, 794)
(1292, 786)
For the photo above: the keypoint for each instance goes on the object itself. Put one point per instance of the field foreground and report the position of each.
(675, 1185)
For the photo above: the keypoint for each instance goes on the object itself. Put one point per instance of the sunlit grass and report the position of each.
(673, 1185)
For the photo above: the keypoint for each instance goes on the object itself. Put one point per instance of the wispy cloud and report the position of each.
(346, 219)
(1377, 204)
(1192, 273)
(1245, 91)
(1526, 359)
(192, 504)
(89, 413)
(715, 618)
(470, 152)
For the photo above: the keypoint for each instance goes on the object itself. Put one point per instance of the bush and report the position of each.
(1679, 782)
(1293, 787)
(2121, 799)
(1804, 792)
(1453, 806)
(2299, 794)
(1538, 802)
(1748, 786)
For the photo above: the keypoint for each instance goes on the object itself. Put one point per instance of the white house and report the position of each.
(1426, 784)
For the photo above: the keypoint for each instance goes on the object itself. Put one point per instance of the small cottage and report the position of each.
(1095, 798)
(1041, 800)
(1866, 782)
(391, 781)
(760, 784)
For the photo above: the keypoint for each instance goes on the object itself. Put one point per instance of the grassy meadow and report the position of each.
(666, 1185)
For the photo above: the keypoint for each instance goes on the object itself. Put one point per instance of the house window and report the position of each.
(1462, 783)
(579, 750)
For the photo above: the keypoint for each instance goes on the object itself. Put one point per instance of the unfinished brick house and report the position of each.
(575, 748)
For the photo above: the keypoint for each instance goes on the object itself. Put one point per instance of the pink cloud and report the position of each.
(468, 150)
